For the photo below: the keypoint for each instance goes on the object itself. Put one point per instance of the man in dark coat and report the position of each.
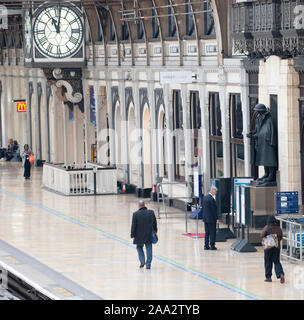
(263, 146)
(210, 218)
(143, 224)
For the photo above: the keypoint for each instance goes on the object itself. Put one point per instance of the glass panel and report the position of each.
(208, 19)
(124, 31)
(140, 31)
(240, 164)
(236, 117)
(189, 20)
(215, 115)
(180, 155)
(155, 27)
(219, 163)
(171, 22)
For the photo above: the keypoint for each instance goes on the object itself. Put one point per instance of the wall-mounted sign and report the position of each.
(21, 106)
(287, 202)
(171, 77)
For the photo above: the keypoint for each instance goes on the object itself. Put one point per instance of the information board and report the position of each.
(287, 202)
(240, 182)
(237, 204)
(197, 182)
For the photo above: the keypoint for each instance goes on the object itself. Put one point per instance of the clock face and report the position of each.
(58, 31)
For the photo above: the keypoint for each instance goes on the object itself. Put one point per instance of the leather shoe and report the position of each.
(148, 268)
(142, 265)
(282, 279)
(213, 248)
(268, 280)
(206, 248)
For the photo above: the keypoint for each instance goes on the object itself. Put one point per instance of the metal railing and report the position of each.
(166, 198)
(87, 181)
(293, 239)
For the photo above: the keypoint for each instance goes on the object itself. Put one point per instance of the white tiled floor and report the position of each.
(87, 239)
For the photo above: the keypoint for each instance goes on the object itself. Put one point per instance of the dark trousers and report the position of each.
(210, 233)
(272, 256)
(27, 169)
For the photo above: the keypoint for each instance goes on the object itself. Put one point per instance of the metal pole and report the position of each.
(301, 244)
(157, 191)
(196, 207)
(94, 183)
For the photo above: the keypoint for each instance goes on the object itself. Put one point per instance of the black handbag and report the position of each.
(154, 238)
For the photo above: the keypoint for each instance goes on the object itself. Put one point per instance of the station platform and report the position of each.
(83, 245)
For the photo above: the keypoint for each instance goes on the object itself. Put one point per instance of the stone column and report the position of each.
(1, 142)
(38, 94)
(246, 120)
(187, 134)
(111, 129)
(86, 98)
(29, 113)
(224, 103)
(204, 102)
(153, 117)
(64, 111)
(124, 127)
(169, 132)
(139, 129)
(47, 96)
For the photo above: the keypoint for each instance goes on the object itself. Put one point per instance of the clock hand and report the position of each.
(54, 23)
(59, 16)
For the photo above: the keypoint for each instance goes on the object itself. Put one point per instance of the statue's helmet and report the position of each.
(260, 107)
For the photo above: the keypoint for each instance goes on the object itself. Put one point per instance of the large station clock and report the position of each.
(58, 34)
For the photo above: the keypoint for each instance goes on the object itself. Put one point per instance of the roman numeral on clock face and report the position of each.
(50, 48)
(73, 40)
(43, 40)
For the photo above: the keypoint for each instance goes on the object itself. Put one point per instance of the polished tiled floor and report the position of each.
(87, 239)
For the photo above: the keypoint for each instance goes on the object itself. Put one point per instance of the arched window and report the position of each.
(171, 22)
(216, 139)
(236, 136)
(209, 28)
(195, 122)
(124, 31)
(140, 30)
(189, 19)
(155, 26)
(178, 137)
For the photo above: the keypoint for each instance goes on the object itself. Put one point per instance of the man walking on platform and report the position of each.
(210, 218)
(143, 225)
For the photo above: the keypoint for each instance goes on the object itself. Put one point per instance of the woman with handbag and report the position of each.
(272, 235)
(27, 160)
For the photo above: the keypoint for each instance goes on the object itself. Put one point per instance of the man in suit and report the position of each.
(210, 218)
(143, 224)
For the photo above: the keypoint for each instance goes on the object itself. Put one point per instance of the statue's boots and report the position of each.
(270, 181)
(266, 175)
(272, 175)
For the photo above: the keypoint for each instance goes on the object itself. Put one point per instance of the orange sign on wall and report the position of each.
(21, 106)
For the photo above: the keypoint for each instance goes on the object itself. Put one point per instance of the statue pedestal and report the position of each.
(262, 203)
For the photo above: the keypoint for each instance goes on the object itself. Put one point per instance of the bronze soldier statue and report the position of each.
(263, 146)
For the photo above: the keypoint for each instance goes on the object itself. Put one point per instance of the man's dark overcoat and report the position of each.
(143, 224)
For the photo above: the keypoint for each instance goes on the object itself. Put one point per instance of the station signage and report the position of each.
(287, 202)
(21, 106)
